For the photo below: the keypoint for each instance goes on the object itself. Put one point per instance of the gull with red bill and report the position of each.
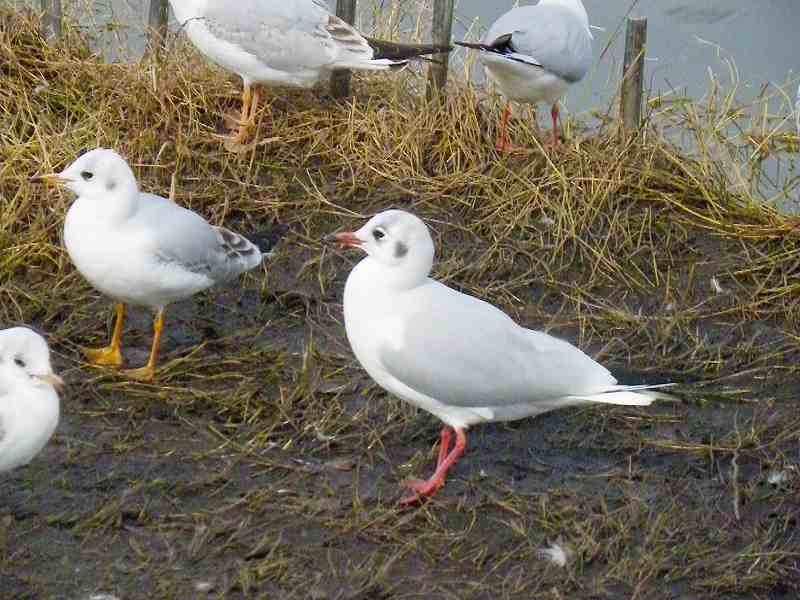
(457, 357)
(29, 405)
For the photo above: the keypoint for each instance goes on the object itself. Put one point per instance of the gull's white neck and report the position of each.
(375, 277)
(106, 209)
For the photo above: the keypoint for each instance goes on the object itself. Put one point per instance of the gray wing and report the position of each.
(545, 35)
(464, 352)
(287, 35)
(181, 236)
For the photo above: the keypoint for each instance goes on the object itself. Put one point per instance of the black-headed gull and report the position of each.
(295, 42)
(140, 248)
(533, 54)
(29, 408)
(453, 355)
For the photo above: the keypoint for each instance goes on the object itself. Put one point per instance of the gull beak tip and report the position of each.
(346, 239)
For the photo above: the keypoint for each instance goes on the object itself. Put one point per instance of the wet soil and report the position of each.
(276, 475)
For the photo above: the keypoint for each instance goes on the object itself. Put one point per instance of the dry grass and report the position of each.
(265, 463)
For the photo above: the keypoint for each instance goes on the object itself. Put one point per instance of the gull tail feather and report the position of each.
(629, 395)
(381, 64)
(395, 51)
(241, 254)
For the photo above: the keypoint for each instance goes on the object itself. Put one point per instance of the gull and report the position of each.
(141, 249)
(533, 54)
(294, 42)
(457, 357)
(29, 408)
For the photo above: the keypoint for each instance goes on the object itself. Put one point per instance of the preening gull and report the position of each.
(455, 356)
(140, 248)
(534, 53)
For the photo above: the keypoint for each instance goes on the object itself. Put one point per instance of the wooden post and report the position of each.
(633, 73)
(52, 17)
(340, 80)
(157, 19)
(441, 32)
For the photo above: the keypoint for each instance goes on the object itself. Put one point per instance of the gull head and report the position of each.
(98, 174)
(396, 240)
(24, 356)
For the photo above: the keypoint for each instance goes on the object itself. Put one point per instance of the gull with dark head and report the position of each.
(141, 249)
(29, 406)
(296, 43)
(455, 356)
(534, 53)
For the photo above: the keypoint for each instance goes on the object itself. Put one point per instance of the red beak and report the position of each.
(346, 239)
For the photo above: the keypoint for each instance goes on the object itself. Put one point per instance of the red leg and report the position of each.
(503, 144)
(444, 445)
(554, 114)
(426, 489)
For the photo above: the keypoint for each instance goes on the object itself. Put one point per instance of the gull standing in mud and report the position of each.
(455, 356)
(29, 406)
(140, 248)
(534, 53)
(295, 43)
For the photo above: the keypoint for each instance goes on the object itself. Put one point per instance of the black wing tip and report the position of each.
(267, 239)
(396, 51)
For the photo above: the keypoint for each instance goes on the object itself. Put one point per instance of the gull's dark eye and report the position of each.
(378, 234)
(87, 175)
(19, 362)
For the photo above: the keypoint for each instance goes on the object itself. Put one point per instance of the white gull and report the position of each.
(141, 249)
(455, 356)
(294, 42)
(29, 406)
(534, 53)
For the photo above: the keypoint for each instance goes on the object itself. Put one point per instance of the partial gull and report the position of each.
(534, 53)
(294, 42)
(29, 406)
(455, 356)
(141, 249)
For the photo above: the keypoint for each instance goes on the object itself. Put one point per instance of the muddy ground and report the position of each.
(158, 492)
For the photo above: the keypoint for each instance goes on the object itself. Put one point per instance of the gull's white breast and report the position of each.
(28, 418)
(122, 261)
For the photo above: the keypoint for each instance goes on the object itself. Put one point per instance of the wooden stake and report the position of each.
(441, 32)
(52, 17)
(340, 80)
(633, 73)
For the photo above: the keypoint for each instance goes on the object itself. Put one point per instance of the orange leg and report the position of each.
(426, 489)
(251, 118)
(244, 122)
(110, 356)
(554, 112)
(148, 372)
